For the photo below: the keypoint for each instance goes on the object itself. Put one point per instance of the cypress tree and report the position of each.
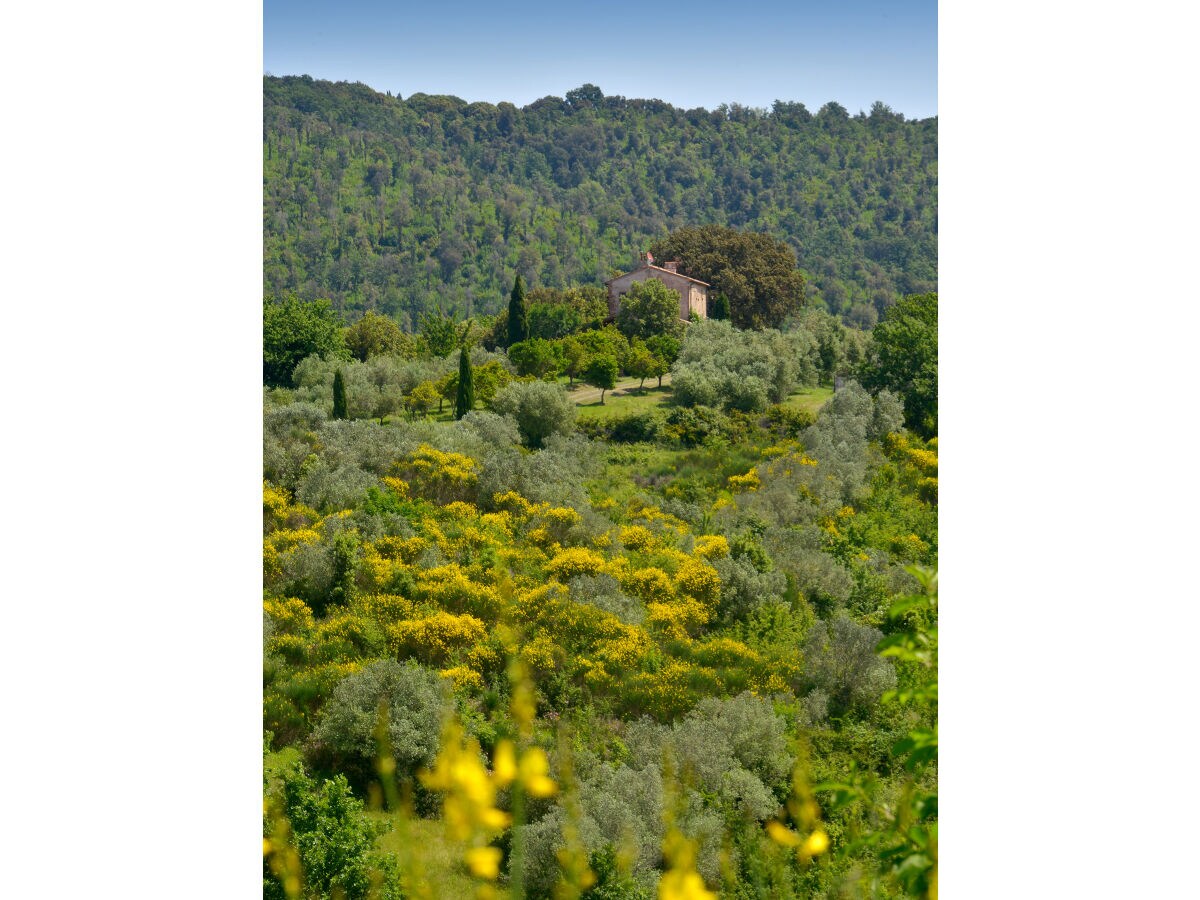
(720, 308)
(518, 315)
(339, 395)
(464, 401)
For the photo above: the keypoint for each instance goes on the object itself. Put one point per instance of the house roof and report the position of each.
(665, 272)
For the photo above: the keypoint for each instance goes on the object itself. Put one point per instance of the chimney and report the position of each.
(671, 266)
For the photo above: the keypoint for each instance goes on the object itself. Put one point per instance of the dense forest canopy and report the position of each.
(403, 206)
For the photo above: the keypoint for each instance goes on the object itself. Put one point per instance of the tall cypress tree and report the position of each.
(339, 395)
(464, 401)
(518, 315)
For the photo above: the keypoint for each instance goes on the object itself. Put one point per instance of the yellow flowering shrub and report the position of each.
(927, 490)
(557, 521)
(568, 564)
(487, 656)
(650, 585)
(678, 619)
(626, 651)
(463, 678)
(347, 636)
(924, 460)
(290, 615)
(637, 537)
(774, 682)
(461, 509)
(537, 603)
(712, 546)
(744, 483)
(399, 485)
(667, 693)
(275, 504)
(438, 476)
(699, 580)
(514, 504)
(316, 684)
(272, 568)
(292, 647)
(501, 521)
(541, 655)
(433, 639)
(781, 449)
(654, 515)
(403, 549)
(377, 572)
(288, 539)
(452, 589)
(386, 609)
(279, 512)
(725, 653)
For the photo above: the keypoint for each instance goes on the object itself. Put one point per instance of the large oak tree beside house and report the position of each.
(756, 272)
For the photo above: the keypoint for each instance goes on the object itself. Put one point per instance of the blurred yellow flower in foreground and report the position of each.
(484, 862)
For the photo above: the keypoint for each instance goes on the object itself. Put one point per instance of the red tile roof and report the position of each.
(665, 272)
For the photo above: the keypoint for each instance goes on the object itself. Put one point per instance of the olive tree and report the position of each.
(416, 701)
(540, 409)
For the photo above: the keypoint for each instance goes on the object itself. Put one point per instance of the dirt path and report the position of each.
(585, 394)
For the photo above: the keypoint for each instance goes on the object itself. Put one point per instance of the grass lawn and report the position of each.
(625, 400)
(811, 399)
(439, 860)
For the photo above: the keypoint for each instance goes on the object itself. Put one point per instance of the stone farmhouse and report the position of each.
(693, 293)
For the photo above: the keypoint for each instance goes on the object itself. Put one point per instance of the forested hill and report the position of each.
(401, 205)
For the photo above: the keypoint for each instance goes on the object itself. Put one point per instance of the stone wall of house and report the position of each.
(692, 297)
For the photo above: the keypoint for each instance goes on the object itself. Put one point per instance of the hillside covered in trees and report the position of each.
(520, 643)
(405, 205)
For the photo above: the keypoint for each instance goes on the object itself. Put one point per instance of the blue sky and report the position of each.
(693, 54)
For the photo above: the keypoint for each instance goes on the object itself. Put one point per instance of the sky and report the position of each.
(688, 54)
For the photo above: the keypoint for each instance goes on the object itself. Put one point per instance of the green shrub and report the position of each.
(345, 738)
(636, 427)
(540, 410)
(333, 839)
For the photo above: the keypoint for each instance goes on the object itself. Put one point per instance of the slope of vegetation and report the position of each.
(686, 650)
(407, 205)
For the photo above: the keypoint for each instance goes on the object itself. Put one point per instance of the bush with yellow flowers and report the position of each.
(450, 587)
(700, 581)
(711, 546)
(746, 482)
(637, 537)
(438, 476)
(289, 615)
(679, 618)
(567, 564)
(436, 638)
(650, 585)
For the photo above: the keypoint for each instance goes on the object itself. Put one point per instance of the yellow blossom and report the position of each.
(504, 765)
(534, 770)
(781, 834)
(815, 844)
(484, 862)
(676, 885)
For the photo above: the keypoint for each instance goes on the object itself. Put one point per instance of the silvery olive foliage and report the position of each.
(727, 757)
(541, 409)
(345, 738)
(797, 552)
(840, 660)
(553, 474)
(744, 588)
(720, 366)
